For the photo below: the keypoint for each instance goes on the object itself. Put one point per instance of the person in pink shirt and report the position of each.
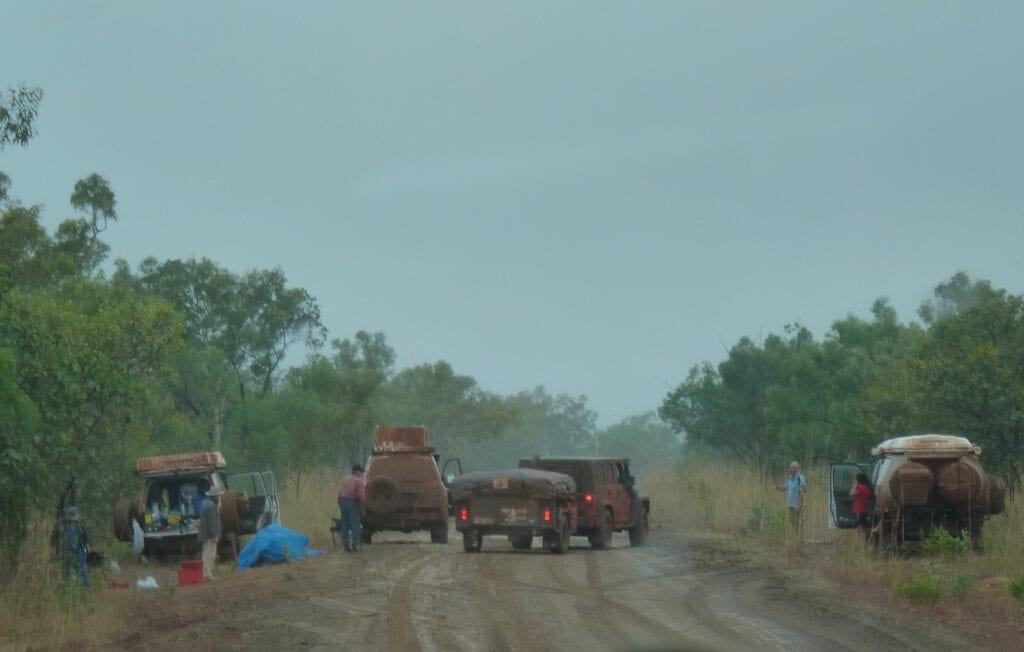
(351, 498)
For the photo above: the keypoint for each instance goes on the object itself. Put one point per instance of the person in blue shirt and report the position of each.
(795, 487)
(76, 547)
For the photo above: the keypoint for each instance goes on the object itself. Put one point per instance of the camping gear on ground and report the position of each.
(147, 583)
(190, 572)
(275, 543)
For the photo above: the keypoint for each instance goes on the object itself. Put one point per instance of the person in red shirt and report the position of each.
(351, 498)
(861, 494)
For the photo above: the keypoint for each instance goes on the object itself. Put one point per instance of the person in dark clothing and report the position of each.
(76, 547)
(209, 529)
(860, 492)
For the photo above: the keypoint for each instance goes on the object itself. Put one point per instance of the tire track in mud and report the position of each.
(401, 634)
(498, 606)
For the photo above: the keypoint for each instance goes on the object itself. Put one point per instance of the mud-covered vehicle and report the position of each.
(919, 482)
(173, 488)
(518, 503)
(404, 486)
(608, 501)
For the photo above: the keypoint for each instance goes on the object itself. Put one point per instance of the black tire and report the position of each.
(639, 532)
(602, 539)
(521, 542)
(229, 521)
(124, 510)
(562, 542)
(383, 495)
(472, 541)
(439, 534)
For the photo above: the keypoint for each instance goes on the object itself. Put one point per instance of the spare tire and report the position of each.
(382, 495)
(124, 512)
(960, 485)
(229, 520)
(996, 495)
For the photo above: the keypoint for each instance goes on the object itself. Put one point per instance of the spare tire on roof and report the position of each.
(382, 495)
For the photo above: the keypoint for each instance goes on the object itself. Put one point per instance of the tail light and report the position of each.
(547, 514)
(463, 513)
(588, 498)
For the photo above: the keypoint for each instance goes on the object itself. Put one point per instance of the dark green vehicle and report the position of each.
(518, 503)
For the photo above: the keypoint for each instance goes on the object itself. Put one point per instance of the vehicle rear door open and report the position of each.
(260, 507)
(841, 476)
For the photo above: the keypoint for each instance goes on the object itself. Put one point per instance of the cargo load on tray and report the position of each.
(526, 483)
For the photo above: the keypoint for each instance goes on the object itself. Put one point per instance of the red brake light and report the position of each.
(588, 498)
(547, 514)
(463, 513)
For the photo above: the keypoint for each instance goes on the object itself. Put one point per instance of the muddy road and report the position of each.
(403, 593)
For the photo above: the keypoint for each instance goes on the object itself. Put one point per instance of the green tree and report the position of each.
(452, 406)
(645, 439)
(19, 108)
(94, 195)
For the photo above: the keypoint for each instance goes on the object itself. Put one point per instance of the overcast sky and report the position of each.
(587, 196)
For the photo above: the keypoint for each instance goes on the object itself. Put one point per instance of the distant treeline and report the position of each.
(790, 397)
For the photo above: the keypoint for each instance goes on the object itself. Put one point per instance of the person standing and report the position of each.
(860, 492)
(209, 529)
(76, 547)
(351, 498)
(795, 488)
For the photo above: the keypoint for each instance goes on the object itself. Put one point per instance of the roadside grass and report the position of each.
(740, 506)
(310, 509)
(37, 606)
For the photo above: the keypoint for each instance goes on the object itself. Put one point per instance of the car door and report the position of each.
(619, 496)
(260, 506)
(841, 476)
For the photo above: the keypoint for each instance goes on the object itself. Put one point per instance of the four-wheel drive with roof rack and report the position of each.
(167, 506)
(919, 483)
(607, 497)
(406, 487)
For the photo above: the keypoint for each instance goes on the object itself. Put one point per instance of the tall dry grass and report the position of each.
(309, 509)
(38, 608)
(740, 504)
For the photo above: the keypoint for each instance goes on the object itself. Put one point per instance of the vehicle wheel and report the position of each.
(562, 542)
(229, 512)
(439, 534)
(366, 536)
(124, 511)
(638, 533)
(382, 495)
(472, 541)
(603, 538)
(523, 542)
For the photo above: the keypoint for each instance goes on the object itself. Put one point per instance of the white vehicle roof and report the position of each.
(926, 446)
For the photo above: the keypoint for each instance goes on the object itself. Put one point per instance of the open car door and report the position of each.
(841, 476)
(260, 507)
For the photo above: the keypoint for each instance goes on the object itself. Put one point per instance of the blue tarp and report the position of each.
(275, 543)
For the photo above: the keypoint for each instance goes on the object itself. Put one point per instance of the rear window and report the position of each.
(578, 471)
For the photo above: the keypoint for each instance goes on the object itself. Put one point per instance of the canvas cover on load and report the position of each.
(526, 483)
(400, 439)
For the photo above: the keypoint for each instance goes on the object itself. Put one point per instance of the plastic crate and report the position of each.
(191, 572)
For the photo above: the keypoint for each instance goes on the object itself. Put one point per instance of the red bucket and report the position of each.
(191, 572)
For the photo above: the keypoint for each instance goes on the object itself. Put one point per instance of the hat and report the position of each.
(357, 467)
(71, 513)
(215, 491)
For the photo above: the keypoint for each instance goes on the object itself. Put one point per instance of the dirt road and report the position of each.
(402, 593)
